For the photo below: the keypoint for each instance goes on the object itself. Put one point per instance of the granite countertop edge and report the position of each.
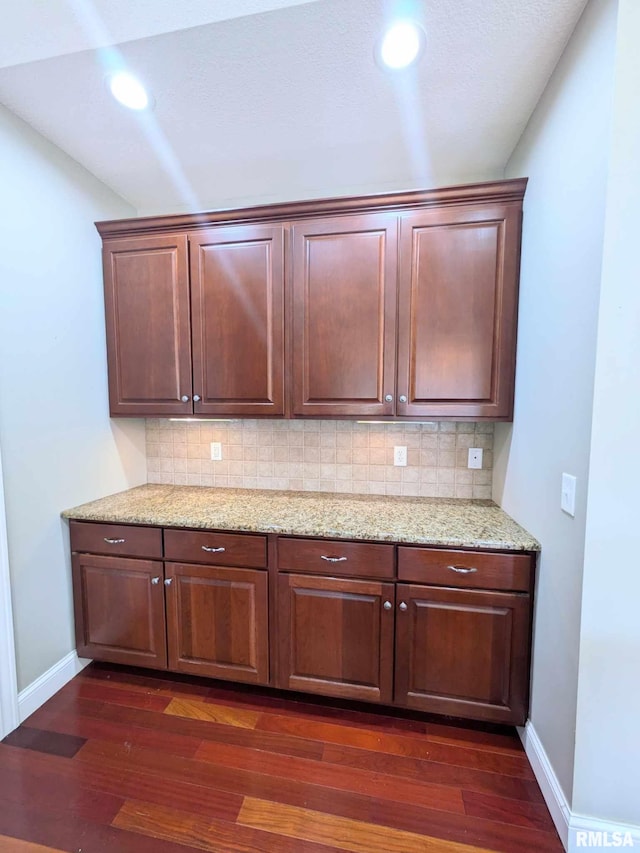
(448, 522)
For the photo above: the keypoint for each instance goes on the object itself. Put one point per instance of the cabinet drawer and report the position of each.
(475, 569)
(335, 557)
(118, 539)
(218, 549)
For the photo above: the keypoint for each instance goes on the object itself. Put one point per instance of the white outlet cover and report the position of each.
(474, 459)
(400, 456)
(216, 451)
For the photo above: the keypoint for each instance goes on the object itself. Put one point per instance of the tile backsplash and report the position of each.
(326, 456)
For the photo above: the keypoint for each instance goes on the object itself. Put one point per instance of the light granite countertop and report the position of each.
(424, 521)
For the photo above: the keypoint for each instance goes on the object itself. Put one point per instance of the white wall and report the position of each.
(607, 768)
(564, 152)
(59, 447)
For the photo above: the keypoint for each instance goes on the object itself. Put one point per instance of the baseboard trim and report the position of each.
(548, 781)
(577, 832)
(44, 687)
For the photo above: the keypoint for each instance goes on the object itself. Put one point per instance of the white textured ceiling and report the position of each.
(286, 103)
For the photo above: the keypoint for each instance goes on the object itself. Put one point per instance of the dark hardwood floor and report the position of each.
(132, 761)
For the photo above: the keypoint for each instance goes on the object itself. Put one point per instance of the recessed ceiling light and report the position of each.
(128, 90)
(401, 44)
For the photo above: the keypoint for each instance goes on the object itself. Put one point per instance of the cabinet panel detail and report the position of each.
(344, 315)
(119, 610)
(468, 569)
(458, 303)
(463, 653)
(148, 325)
(336, 637)
(218, 622)
(221, 549)
(237, 293)
(125, 540)
(336, 557)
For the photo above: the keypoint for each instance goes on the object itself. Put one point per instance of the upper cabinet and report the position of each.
(237, 320)
(344, 315)
(458, 311)
(400, 305)
(195, 323)
(146, 283)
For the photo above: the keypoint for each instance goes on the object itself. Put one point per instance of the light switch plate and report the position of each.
(475, 457)
(568, 495)
(216, 451)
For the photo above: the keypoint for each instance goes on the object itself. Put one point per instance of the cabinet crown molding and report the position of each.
(503, 191)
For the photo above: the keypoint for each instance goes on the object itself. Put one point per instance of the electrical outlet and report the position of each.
(216, 451)
(568, 495)
(475, 457)
(399, 455)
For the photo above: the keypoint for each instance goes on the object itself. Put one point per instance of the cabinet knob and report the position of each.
(196, 398)
(402, 605)
(403, 398)
(155, 581)
(389, 398)
(184, 398)
(387, 605)
(168, 582)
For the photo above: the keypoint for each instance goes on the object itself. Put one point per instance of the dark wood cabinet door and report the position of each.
(336, 636)
(344, 315)
(237, 299)
(119, 609)
(148, 327)
(463, 652)
(217, 621)
(458, 311)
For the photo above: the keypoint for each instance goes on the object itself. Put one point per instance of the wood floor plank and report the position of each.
(85, 727)
(437, 823)
(212, 713)
(16, 845)
(168, 725)
(399, 744)
(215, 836)
(70, 833)
(125, 783)
(467, 778)
(492, 737)
(341, 778)
(505, 810)
(55, 794)
(352, 835)
(52, 742)
(177, 762)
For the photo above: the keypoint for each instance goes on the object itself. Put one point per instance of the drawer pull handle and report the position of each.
(155, 581)
(461, 570)
(213, 550)
(333, 559)
(114, 541)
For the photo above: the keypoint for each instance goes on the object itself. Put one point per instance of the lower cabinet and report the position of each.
(119, 606)
(336, 636)
(430, 629)
(463, 653)
(217, 621)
